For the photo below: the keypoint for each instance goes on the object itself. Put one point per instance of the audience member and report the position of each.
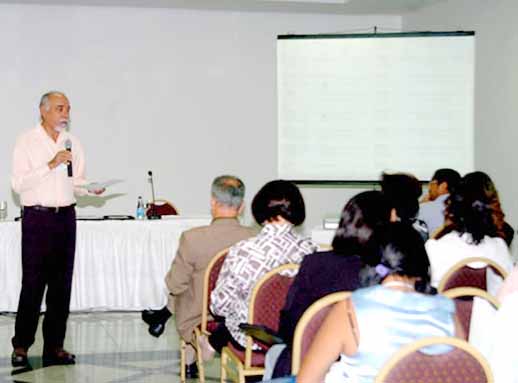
(278, 206)
(474, 227)
(432, 207)
(500, 336)
(403, 192)
(503, 338)
(196, 248)
(323, 273)
(397, 309)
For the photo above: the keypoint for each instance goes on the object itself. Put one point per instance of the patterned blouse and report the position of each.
(246, 262)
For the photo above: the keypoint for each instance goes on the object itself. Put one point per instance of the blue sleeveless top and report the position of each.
(389, 319)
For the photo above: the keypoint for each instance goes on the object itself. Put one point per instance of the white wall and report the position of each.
(188, 94)
(496, 79)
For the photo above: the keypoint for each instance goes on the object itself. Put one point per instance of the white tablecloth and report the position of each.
(119, 265)
(322, 237)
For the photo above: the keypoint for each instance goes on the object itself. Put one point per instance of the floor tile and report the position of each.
(110, 348)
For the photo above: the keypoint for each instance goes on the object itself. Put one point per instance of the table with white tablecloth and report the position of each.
(119, 265)
(323, 237)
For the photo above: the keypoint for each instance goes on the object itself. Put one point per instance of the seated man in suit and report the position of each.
(197, 247)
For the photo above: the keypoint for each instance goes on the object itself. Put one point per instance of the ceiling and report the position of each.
(310, 6)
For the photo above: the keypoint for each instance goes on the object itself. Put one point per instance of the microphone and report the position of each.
(153, 214)
(68, 147)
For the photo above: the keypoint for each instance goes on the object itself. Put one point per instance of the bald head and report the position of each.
(228, 190)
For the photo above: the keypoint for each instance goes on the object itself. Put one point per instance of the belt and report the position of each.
(47, 209)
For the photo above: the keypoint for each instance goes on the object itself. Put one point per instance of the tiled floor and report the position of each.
(109, 347)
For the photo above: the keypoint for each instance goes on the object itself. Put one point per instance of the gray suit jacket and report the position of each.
(185, 277)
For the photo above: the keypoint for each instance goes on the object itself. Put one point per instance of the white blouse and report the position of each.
(454, 247)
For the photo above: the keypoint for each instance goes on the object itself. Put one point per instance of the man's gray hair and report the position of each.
(44, 101)
(228, 191)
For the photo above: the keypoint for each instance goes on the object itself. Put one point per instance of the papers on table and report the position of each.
(89, 218)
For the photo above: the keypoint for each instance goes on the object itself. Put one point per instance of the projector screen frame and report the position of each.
(375, 35)
(412, 34)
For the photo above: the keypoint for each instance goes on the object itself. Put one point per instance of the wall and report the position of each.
(496, 79)
(187, 94)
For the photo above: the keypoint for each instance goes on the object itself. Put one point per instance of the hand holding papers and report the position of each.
(100, 187)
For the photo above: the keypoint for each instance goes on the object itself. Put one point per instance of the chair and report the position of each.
(463, 275)
(266, 302)
(309, 324)
(462, 364)
(161, 207)
(207, 325)
(463, 297)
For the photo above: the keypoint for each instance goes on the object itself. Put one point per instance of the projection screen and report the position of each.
(352, 106)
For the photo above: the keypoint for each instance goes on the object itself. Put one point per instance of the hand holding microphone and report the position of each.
(63, 156)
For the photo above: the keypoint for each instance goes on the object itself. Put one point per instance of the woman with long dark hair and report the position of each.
(326, 272)
(396, 309)
(403, 190)
(474, 227)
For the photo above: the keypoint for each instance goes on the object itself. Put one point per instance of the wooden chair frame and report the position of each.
(202, 328)
(231, 365)
(305, 319)
(422, 343)
(465, 262)
(459, 292)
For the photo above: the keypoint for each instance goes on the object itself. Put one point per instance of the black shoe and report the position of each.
(191, 371)
(150, 316)
(58, 357)
(19, 357)
(156, 316)
(251, 379)
(157, 329)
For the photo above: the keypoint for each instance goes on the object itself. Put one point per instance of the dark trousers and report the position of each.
(283, 365)
(48, 247)
(220, 337)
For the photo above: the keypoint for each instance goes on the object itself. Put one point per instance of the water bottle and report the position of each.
(3, 210)
(141, 211)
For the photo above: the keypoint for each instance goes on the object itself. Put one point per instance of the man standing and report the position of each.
(431, 210)
(197, 247)
(48, 167)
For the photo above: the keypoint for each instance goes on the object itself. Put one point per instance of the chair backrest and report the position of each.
(463, 298)
(209, 283)
(463, 275)
(267, 301)
(309, 324)
(161, 207)
(462, 364)
(269, 295)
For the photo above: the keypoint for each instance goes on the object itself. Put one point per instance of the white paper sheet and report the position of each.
(93, 186)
